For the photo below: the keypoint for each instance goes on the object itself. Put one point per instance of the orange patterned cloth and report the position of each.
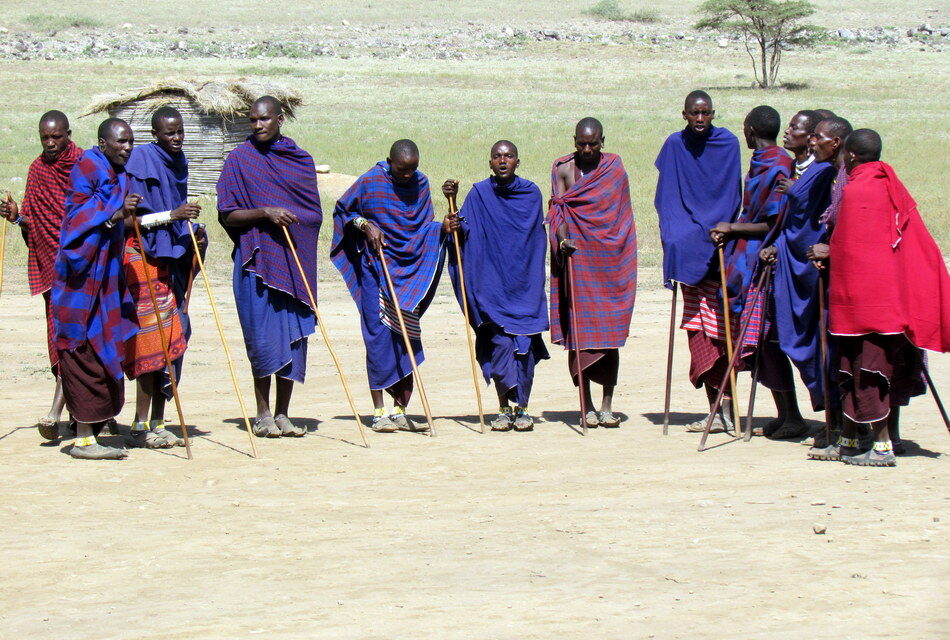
(144, 350)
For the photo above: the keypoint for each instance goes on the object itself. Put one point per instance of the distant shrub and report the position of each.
(610, 10)
(47, 21)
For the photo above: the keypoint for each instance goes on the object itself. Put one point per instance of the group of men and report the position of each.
(822, 219)
(116, 297)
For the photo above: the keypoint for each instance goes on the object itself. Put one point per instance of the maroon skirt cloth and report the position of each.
(401, 391)
(878, 372)
(91, 393)
(775, 369)
(599, 365)
(50, 335)
(707, 359)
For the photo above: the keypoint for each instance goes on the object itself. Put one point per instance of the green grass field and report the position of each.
(455, 109)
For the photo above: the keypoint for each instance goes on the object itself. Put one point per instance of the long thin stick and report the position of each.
(161, 336)
(192, 275)
(767, 278)
(728, 326)
(224, 341)
(577, 350)
(731, 369)
(326, 337)
(468, 334)
(825, 364)
(408, 343)
(933, 390)
(3, 242)
(669, 363)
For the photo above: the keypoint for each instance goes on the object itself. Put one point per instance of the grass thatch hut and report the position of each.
(215, 114)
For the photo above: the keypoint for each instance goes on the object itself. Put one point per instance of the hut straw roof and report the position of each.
(228, 99)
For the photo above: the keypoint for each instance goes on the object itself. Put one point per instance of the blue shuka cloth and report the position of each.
(162, 180)
(503, 250)
(89, 300)
(796, 280)
(414, 255)
(272, 300)
(699, 185)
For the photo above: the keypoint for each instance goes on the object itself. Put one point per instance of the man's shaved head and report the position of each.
(765, 121)
(826, 113)
(810, 119)
(271, 103)
(693, 96)
(589, 125)
(163, 113)
(865, 144)
(109, 127)
(509, 143)
(57, 118)
(837, 127)
(403, 150)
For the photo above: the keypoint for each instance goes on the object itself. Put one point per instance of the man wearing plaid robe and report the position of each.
(40, 219)
(93, 314)
(594, 239)
(389, 209)
(267, 183)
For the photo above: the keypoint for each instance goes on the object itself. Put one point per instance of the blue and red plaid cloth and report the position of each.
(760, 203)
(599, 219)
(44, 202)
(89, 299)
(279, 174)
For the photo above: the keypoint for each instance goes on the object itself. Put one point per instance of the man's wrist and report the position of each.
(360, 223)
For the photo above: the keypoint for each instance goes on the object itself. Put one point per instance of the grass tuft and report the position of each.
(48, 21)
(610, 10)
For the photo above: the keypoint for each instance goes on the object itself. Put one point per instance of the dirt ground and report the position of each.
(622, 534)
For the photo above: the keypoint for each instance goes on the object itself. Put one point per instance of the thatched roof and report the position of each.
(228, 99)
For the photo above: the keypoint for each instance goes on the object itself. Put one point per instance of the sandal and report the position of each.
(609, 420)
(96, 451)
(266, 428)
(502, 421)
(592, 420)
(523, 421)
(288, 429)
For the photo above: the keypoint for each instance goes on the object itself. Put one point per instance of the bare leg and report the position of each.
(606, 405)
(144, 385)
(158, 400)
(262, 397)
(285, 388)
(377, 395)
(791, 424)
(59, 402)
(587, 398)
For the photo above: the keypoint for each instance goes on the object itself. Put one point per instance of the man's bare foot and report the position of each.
(48, 428)
(287, 428)
(770, 427)
(790, 430)
(96, 451)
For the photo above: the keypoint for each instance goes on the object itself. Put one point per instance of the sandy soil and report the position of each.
(622, 534)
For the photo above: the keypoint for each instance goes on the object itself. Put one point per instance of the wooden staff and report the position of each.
(577, 350)
(3, 242)
(471, 344)
(191, 283)
(161, 336)
(729, 371)
(224, 341)
(326, 337)
(728, 328)
(825, 364)
(933, 390)
(669, 363)
(767, 278)
(408, 343)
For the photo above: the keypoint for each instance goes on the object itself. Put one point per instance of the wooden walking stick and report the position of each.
(728, 328)
(825, 364)
(3, 242)
(408, 343)
(326, 337)
(169, 365)
(933, 390)
(767, 279)
(468, 334)
(577, 350)
(192, 275)
(224, 341)
(669, 363)
(730, 370)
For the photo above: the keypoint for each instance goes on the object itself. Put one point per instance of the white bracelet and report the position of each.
(155, 219)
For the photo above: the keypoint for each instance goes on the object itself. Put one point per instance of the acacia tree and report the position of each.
(770, 26)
